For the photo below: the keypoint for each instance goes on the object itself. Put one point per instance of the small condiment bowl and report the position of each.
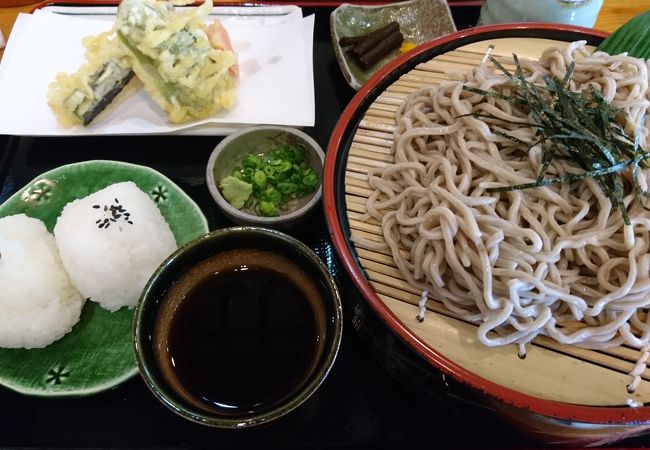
(233, 149)
(172, 289)
(420, 21)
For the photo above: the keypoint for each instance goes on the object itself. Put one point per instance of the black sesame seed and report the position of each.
(96, 206)
(98, 220)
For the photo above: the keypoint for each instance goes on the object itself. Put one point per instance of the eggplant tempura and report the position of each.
(189, 69)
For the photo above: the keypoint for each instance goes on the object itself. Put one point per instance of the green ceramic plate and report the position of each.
(97, 354)
(419, 20)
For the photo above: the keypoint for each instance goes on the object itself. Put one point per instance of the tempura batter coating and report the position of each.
(80, 97)
(174, 57)
(189, 69)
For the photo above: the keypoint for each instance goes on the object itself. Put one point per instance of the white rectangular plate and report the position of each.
(273, 44)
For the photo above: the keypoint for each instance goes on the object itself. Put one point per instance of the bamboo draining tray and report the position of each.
(550, 371)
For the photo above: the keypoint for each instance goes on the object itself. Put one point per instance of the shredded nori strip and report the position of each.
(578, 126)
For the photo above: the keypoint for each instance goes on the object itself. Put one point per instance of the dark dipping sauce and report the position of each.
(244, 332)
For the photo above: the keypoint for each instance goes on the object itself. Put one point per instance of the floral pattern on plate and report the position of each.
(98, 353)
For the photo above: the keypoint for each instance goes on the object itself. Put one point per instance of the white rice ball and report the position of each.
(38, 303)
(111, 242)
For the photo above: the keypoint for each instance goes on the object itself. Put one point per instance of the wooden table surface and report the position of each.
(613, 14)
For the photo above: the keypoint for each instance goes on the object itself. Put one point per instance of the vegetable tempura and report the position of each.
(189, 69)
(173, 55)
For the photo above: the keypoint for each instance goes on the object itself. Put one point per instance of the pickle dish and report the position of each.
(266, 176)
(419, 21)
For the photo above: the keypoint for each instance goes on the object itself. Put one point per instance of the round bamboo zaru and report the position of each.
(550, 370)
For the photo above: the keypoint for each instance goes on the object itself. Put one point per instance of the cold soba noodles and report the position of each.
(557, 260)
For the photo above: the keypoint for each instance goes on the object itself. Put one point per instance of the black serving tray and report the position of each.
(379, 393)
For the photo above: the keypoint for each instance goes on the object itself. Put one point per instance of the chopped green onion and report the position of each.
(277, 176)
(268, 208)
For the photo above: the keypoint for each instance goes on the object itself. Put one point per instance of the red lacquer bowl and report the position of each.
(548, 420)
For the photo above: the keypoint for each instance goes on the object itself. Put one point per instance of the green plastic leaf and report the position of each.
(632, 37)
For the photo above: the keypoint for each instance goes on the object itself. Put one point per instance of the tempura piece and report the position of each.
(188, 69)
(80, 97)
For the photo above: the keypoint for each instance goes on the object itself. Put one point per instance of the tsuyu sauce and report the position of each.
(243, 338)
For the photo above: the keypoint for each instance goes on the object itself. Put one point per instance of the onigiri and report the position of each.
(111, 242)
(38, 303)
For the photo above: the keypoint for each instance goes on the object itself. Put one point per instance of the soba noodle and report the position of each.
(558, 260)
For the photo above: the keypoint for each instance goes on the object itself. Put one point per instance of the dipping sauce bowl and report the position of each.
(238, 328)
